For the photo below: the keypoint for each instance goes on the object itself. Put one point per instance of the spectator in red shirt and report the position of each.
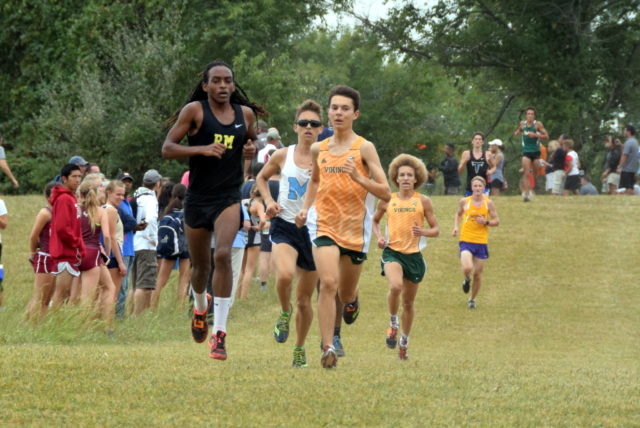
(66, 245)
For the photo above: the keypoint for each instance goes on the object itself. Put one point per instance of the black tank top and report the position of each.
(210, 177)
(476, 167)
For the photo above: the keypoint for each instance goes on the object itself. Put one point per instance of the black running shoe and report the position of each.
(199, 325)
(466, 285)
(350, 312)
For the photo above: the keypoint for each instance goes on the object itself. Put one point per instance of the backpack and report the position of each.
(171, 237)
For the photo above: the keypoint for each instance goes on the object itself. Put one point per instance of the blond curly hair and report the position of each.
(407, 160)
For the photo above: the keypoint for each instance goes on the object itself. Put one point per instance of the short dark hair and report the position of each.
(68, 169)
(48, 187)
(309, 105)
(532, 109)
(348, 92)
(450, 145)
(631, 129)
(478, 133)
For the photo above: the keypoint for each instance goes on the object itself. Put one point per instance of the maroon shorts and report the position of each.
(91, 259)
(43, 263)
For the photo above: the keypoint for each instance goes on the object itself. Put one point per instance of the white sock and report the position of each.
(393, 321)
(200, 301)
(404, 340)
(221, 307)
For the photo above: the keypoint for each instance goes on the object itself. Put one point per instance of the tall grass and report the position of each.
(555, 340)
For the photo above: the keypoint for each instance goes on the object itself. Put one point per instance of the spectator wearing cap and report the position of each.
(4, 166)
(586, 187)
(273, 143)
(497, 178)
(449, 168)
(145, 241)
(83, 164)
(129, 225)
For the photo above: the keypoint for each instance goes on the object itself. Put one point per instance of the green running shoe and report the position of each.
(281, 329)
(299, 357)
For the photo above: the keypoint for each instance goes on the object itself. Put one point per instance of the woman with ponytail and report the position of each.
(93, 271)
(219, 123)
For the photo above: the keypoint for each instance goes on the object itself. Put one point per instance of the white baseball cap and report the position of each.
(496, 142)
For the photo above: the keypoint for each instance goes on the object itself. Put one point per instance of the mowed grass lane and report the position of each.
(555, 340)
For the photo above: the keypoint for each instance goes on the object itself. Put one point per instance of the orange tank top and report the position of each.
(343, 210)
(471, 231)
(401, 216)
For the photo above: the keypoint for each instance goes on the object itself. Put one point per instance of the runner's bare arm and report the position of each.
(273, 167)
(458, 216)
(312, 187)
(463, 161)
(519, 130)
(189, 121)
(493, 165)
(380, 210)
(434, 228)
(542, 132)
(494, 220)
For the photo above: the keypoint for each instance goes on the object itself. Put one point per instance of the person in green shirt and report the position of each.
(532, 132)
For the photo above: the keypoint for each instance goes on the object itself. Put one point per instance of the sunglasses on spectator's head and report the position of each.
(305, 123)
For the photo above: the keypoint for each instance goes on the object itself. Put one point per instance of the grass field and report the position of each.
(555, 341)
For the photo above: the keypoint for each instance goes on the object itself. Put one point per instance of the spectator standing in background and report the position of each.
(66, 245)
(4, 166)
(145, 268)
(497, 178)
(129, 225)
(571, 169)
(610, 175)
(4, 218)
(449, 169)
(628, 165)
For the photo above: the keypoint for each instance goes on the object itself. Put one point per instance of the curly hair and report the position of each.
(419, 169)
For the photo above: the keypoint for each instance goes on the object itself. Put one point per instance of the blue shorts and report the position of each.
(283, 232)
(479, 251)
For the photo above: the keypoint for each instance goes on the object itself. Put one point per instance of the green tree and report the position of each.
(577, 61)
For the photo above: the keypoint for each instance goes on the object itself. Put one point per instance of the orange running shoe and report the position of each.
(216, 344)
(392, 337)
(199, 325)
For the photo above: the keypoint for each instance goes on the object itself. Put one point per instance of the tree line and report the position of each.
(100, 78)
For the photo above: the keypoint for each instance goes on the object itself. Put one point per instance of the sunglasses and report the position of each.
(305, 123)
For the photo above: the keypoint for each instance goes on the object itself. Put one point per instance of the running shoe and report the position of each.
(216, 344)
(199, 325)
(299, 357)
(402, 349)
(392, 337)
(281, 329)
(525, 196)
(337, 346)
(350, 311)
(329, 358)
(402, 353)
(466, 285)
(471, 304)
